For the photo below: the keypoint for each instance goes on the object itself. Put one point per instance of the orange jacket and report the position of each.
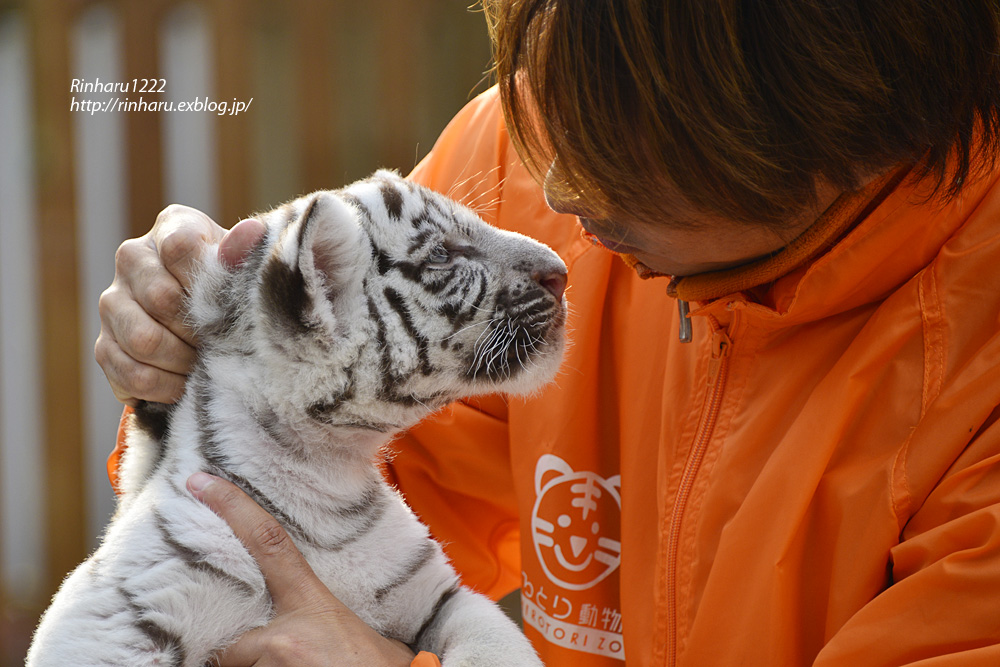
(812, 480)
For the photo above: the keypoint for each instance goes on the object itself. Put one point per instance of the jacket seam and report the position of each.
(934, 335)
(934, 339)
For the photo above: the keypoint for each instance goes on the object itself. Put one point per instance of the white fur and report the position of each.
(170, 573)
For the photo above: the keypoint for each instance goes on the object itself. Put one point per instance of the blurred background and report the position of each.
(330, 90)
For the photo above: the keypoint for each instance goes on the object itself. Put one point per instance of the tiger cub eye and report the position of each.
(439, 255)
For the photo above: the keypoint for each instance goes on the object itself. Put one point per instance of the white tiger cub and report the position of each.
(361, 311)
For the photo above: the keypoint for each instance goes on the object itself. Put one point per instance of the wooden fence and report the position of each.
(329, 91)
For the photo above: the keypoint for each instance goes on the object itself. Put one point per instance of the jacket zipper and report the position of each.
(718, 372)
(684, 326)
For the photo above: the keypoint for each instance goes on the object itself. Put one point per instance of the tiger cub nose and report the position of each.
(553, 281)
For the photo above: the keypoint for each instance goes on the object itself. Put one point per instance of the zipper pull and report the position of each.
(682, 308)
(720, 352)
(685, 321)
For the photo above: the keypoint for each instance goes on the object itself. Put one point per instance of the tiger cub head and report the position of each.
(367, 307)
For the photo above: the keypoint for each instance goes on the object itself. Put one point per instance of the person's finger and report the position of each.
(143, 338)
(235, 245)
(290, 580)
(140, 276)
(180, 235)
(262, 647)
(131, 380)
(162, 297)
(248, 651)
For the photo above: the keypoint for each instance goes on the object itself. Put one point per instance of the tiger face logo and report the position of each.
(575, 524)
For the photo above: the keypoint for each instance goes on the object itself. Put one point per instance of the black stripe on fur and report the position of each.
(381, 339)
(382, 261)
(219, 465)
(398, 304)
(459, 312)
(436, 281)
(356, 203)
(392, 198)
(324, 411)
(196, 560)
(410, 270)
(366, 504)
(372, 515)
(283, 287)
(162, 639)
(419, 240)
(284, 296)
(432, 619)
(420, 559)
(154, 419)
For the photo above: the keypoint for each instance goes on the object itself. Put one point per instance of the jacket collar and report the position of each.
(863, 247)
(842, 215)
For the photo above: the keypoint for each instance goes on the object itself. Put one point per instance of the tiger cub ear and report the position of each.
(330, 255)
(317, 260)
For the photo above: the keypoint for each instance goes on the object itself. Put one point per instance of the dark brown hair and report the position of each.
(741, 105)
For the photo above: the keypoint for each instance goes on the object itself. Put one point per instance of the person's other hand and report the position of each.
(145, 347)
(312, 627)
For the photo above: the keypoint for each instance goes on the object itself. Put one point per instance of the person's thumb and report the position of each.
(180, 235)
(235, 245)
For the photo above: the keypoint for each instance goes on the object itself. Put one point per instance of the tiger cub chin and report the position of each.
(359, 313)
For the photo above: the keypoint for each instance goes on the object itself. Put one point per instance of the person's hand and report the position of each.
(312, 627)
(144, 347)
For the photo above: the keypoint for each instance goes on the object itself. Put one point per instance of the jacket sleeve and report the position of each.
(425, 659)
(943, 604)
